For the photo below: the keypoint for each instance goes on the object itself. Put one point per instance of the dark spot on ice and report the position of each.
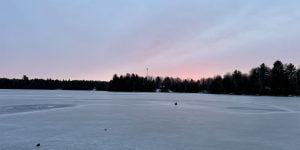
(105, 129)
(38, 145)
(28, 108)
(175, 103)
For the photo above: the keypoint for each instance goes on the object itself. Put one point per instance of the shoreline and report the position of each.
(295, 96)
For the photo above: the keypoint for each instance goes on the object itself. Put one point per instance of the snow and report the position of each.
(76, 120)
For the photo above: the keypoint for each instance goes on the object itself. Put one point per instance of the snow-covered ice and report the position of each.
(77, 120)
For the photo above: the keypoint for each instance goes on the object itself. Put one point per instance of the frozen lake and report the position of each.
(77, 120)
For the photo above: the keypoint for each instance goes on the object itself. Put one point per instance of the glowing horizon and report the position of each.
(92, 40)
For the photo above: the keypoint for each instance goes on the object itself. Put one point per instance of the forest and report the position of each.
(280, 80)
(49, 84)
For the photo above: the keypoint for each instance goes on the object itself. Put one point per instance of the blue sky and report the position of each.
(93, 39)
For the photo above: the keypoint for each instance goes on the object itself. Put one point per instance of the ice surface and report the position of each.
(255, 109)
(27, 108)
(75, 120)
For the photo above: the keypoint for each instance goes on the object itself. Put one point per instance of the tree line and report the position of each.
(49, 84)
(281, 79)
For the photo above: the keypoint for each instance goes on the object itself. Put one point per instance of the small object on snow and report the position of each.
(105, 129)
(38, 145)
(175, 103)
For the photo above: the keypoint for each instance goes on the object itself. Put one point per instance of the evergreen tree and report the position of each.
(264, 79)
(216, 86)
(298, 81)
(291, 74)
(279, 80)
(255, 84)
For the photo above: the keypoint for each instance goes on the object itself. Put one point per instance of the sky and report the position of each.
(94, 39)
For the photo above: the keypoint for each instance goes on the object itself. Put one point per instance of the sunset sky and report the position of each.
(94, 39)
